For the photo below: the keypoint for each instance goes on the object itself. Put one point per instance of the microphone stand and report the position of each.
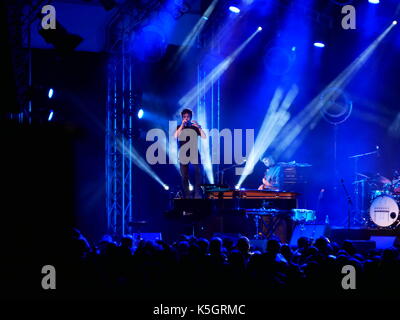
(222, 171)
(349, 203)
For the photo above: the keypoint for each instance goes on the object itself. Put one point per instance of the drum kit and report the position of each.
(378, 200)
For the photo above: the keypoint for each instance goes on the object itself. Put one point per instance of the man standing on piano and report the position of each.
(187, 134)
(270, 180)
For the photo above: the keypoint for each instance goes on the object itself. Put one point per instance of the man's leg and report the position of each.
(184, 168)
(197, 181)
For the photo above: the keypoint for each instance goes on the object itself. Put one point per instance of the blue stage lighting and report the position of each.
(140, 113)
(319, 45)
(234, 9)
(394, 22)
(294, 48)
(373, 1)
(50, 94)
(166, 187)
(259, 28)
(51, 114)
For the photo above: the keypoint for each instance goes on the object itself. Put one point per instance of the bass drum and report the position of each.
(384, 211)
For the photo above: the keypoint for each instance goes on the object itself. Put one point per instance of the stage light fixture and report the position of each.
(373, 1)
(190, 187)
(234, 9)
(259, 28)
(394, 22)
(140, 114)
(319, 45)
(166, 187)
(51, 114)
(51, 93)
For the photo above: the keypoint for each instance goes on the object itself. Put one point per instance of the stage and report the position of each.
(199, 146)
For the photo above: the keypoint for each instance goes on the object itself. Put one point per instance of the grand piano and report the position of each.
(227, 210)
(236, 201)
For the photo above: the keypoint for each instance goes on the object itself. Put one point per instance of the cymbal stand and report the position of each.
(357, 210)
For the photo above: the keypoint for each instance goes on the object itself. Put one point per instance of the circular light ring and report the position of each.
(345, 108)
(279, 60)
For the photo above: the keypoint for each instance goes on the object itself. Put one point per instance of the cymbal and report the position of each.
(381, 179)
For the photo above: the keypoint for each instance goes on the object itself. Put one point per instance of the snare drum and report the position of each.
(303, 215)
(384, 211)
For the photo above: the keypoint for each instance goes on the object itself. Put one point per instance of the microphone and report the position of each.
(321, 194)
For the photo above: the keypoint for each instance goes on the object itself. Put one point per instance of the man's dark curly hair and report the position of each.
(184, 111)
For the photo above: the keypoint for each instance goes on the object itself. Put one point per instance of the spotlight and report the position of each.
(140, 113)
(234, 9)
(394, 22)
(50, 94)
(259, 28)
(51, 114)
(319, 44)
(294, 48)
(166, 187)
(373, 1)
(190, 187)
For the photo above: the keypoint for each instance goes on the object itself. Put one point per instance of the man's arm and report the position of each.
(179, 129)
(202, 133)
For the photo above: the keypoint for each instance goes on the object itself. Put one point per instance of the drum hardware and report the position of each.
(384, 211)
(357, 209)
(383, 203)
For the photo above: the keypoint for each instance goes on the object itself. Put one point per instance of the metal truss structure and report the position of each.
(20, 16)
(122, 104)
(119, 133)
